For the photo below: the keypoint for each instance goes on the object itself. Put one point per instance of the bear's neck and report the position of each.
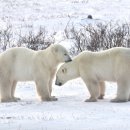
(49, 59)
(74, 69)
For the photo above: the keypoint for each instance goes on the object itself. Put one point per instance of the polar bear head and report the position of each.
(66, 72)
(60, 53)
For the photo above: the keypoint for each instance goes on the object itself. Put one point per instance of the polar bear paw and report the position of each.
(117, 100)
(16, 98)
(8, 100)
(49, 99)
(53, 98)
(101, 97)
(91, 100)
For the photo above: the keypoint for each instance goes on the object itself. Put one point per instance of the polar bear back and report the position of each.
(18, 62)
(107, 65)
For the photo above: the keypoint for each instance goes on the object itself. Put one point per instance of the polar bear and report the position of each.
(22, 64)
(95, 68)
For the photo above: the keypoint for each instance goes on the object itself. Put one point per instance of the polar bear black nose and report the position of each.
(58, 83)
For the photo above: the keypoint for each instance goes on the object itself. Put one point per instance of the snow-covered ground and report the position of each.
(70, 112)
(55, 14)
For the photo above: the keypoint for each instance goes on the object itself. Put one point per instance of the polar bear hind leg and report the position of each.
(5, 91)
(123, 91)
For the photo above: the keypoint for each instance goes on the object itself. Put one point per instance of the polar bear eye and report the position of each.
(64, 70)
(65, 54)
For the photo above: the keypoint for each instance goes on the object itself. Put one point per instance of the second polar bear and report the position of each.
(96, 67)
(22, 64)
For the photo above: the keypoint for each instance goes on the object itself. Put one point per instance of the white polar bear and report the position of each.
(22, 64)
(96, 67)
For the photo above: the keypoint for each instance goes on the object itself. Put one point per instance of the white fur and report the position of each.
(96, 67)
(22, 64)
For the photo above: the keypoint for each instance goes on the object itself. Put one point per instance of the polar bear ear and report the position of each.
(64, 70)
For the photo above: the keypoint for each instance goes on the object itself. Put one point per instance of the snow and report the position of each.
(54, 14)
(70, 112)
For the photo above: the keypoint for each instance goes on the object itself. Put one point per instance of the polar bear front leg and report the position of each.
(93, 88)
(51, 80)
(43, 90)
(129, 97)
(50, 88)
(123, 92)
(50, 83)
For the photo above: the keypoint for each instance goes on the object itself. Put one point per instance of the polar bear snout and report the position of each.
(57, 82)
